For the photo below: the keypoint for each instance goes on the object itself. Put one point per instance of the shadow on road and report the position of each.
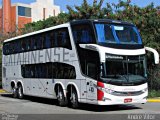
(86, 107)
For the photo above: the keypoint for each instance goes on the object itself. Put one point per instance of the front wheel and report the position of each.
(74, 99)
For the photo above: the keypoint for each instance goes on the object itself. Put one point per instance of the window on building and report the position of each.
(24, 11)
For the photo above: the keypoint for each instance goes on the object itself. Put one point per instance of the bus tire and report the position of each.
(14, 92)
(60, 97)
(74, 99)
(20, 92)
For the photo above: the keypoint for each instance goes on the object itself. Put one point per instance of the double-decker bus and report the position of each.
(100, 62)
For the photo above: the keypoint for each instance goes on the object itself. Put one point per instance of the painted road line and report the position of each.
(153, 100)
(2, 91)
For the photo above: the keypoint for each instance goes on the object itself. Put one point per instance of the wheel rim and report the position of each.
(73, 98)
(13, 91)
(60, 96)
(20, 91)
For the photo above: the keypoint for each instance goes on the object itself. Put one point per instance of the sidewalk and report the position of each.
(148, 100)
(2, 91)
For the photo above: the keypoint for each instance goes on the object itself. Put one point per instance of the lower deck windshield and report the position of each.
(124, 70)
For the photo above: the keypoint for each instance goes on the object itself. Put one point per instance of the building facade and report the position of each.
(15, 16)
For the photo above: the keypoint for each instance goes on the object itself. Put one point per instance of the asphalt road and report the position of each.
(33, 108)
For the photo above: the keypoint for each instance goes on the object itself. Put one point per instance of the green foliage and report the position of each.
(42, 24)
(0, 68)
(153, 94)
(86, 11)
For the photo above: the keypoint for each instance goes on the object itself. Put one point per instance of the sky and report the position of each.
(63, 3)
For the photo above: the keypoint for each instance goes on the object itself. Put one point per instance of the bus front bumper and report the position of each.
(117, 100)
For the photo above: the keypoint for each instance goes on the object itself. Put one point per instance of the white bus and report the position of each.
(100, 62)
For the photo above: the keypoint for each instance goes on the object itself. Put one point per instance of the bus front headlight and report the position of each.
(145, 90)
(109, 91)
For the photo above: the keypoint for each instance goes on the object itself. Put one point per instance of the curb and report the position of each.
(2, 91)
(153, 100)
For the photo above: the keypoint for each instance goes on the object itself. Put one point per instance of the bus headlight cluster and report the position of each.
(109, 91)
(145, 90)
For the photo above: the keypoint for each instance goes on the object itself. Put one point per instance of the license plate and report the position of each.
(127, 100)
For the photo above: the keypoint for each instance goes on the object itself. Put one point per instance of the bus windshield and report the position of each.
(124, 69)
(118, 34)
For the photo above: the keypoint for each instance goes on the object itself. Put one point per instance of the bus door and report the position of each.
(91, 82)
(41, 71)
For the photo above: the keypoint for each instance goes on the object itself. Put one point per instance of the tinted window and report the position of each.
(89, 62)
(121, 34)
(49, 70)
(60, 38)
(83, 34)
(55, 38)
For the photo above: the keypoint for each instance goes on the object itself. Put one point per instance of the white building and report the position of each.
(42, 9)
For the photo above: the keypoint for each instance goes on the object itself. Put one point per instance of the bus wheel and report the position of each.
(14, 92)
(60, 97)
(74, 99)
(20, 92)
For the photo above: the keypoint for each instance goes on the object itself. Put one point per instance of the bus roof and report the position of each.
(36, 32)
(101, 20)
(67, 24)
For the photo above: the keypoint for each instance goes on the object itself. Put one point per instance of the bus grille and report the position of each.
(116, 93)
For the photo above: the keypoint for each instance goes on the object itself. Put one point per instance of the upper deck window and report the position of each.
(83, 34)
(121, 34)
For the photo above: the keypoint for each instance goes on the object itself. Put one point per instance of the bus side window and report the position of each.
(66, 39)
(23, 71)
(49, 70)
(28, 44)
(40, 41)
(47, 41)
(83, 34)
(85, 37)
(62, 39)
(31, 72)
(59, 39)
(27, 71)
(34, 43)
(23, 45)
(52, 38)
(17, 47)
(72, 73)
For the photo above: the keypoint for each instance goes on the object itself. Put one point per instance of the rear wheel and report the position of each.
(14, 92)
(60, 97)
(20, 92)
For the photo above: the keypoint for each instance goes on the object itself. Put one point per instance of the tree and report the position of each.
(86, 11)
